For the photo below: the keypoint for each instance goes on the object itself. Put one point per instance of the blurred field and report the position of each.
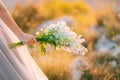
(98, 63)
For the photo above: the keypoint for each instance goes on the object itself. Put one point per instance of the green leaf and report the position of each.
(43, 48)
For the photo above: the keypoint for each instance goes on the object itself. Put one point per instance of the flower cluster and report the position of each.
(61, 36)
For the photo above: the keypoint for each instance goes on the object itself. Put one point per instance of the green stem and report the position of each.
(13, 45)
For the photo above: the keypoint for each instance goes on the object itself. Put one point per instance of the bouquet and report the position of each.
(60, 36)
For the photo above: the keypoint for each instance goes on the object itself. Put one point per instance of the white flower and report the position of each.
(76, 50)
(69, 40)
(62, 23)
(79, 39)
(37, 33)
(72, 35)
(84, 51)
(66, 29)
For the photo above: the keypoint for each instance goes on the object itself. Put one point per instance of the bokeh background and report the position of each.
(97, 20)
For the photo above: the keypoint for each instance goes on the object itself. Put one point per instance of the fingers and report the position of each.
(30, 41)
(34, 40)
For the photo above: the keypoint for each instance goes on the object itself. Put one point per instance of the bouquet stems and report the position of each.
(21, 43)
(13, 45)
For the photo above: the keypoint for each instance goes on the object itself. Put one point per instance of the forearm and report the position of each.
(6, 17)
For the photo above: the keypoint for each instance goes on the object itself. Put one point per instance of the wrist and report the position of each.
(21, 35)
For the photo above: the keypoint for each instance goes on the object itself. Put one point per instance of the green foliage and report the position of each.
(42, 47)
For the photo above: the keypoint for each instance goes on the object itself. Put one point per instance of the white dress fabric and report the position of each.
(17, 63)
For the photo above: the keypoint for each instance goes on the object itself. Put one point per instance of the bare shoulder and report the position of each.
(1, 4)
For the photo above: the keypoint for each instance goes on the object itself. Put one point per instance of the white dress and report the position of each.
(17, 63)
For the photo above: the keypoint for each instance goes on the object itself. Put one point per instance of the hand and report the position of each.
(28, 39)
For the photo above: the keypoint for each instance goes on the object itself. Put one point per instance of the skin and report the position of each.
(7, 18)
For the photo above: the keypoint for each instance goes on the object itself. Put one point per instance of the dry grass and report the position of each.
(100, 68)
(55, 65)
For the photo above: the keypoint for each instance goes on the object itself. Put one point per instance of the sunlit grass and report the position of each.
(100, 68)
(56, 64)
(108, 18)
